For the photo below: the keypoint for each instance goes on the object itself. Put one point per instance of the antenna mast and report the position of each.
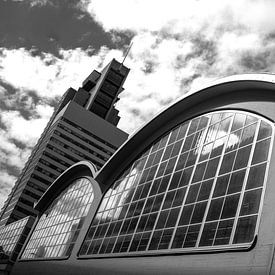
(127, 52)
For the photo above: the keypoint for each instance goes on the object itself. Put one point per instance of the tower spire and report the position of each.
(127, 52)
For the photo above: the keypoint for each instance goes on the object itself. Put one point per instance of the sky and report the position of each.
(47, 46)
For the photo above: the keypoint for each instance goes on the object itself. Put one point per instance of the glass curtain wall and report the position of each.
(200, 186)
(57, 229)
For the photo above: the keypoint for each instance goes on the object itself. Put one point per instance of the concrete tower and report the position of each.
(83, 126)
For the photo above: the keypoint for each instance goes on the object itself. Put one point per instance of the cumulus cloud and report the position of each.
(25, 131)
(192, 16)
(180, 45)
(46, 74)
(7, 181)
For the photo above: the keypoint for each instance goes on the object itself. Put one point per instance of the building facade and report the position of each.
(192, 192)
(83, 126)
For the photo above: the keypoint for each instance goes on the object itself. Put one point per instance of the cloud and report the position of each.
(178, 46)
(46, 75)
(23, 130)
(6, 183)
(191, 16)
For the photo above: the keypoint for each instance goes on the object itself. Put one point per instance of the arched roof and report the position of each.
(81, 168)
(214, 89)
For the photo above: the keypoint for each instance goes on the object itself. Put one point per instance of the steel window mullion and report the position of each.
(135, 187)
(165, 192)
(214, 184)
(140, 216)
(253, 145)
(221, 156)
(189, 183)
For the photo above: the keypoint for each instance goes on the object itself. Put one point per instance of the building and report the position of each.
(191, 192)
(83, 126)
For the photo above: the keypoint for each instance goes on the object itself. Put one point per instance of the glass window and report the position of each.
(200, 185)
(57, 229)
(12, 237)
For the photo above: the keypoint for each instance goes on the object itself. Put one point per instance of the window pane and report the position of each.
(179, 197)
(172, 218)
(187, 143)
(168, 199)
(224, 232)
(224, 127)
(251, 202)
(256, 176)
(261, 151)
(203, 122)
(218, 147)
(198, 212)
(181, 161)
(250, 119)
(248, 134)
(205, 190)
(230, 206)
(215, 209)
(227, 162)
(264, 131)
(238, 122)
(206, 150)
(155, 240)
(186, 214)
(233, 141)
(193, 193)
(242, 157)
(173, 136)
(182, 131)
(191, 236)
(208, 234)
(193, 126)
(221, 185)
(179, 237)
(211, 168)
(245, 229)
(236, 182)
(199, 172)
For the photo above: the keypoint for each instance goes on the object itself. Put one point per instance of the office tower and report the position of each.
(83, 126)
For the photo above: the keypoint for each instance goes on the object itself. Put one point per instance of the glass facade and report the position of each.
(57, 229)
(12, 237)
(200, 186)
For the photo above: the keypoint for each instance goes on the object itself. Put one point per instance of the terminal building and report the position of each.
(83, 127)
(191, 192)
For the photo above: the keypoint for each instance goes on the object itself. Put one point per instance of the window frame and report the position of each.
(204, 249)
(45, 210)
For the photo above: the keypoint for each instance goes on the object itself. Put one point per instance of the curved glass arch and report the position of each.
(57, 229)
(198, 187)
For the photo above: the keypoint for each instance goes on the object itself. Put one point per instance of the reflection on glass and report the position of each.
(198, 186)
(57, 229)
(11, 238)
